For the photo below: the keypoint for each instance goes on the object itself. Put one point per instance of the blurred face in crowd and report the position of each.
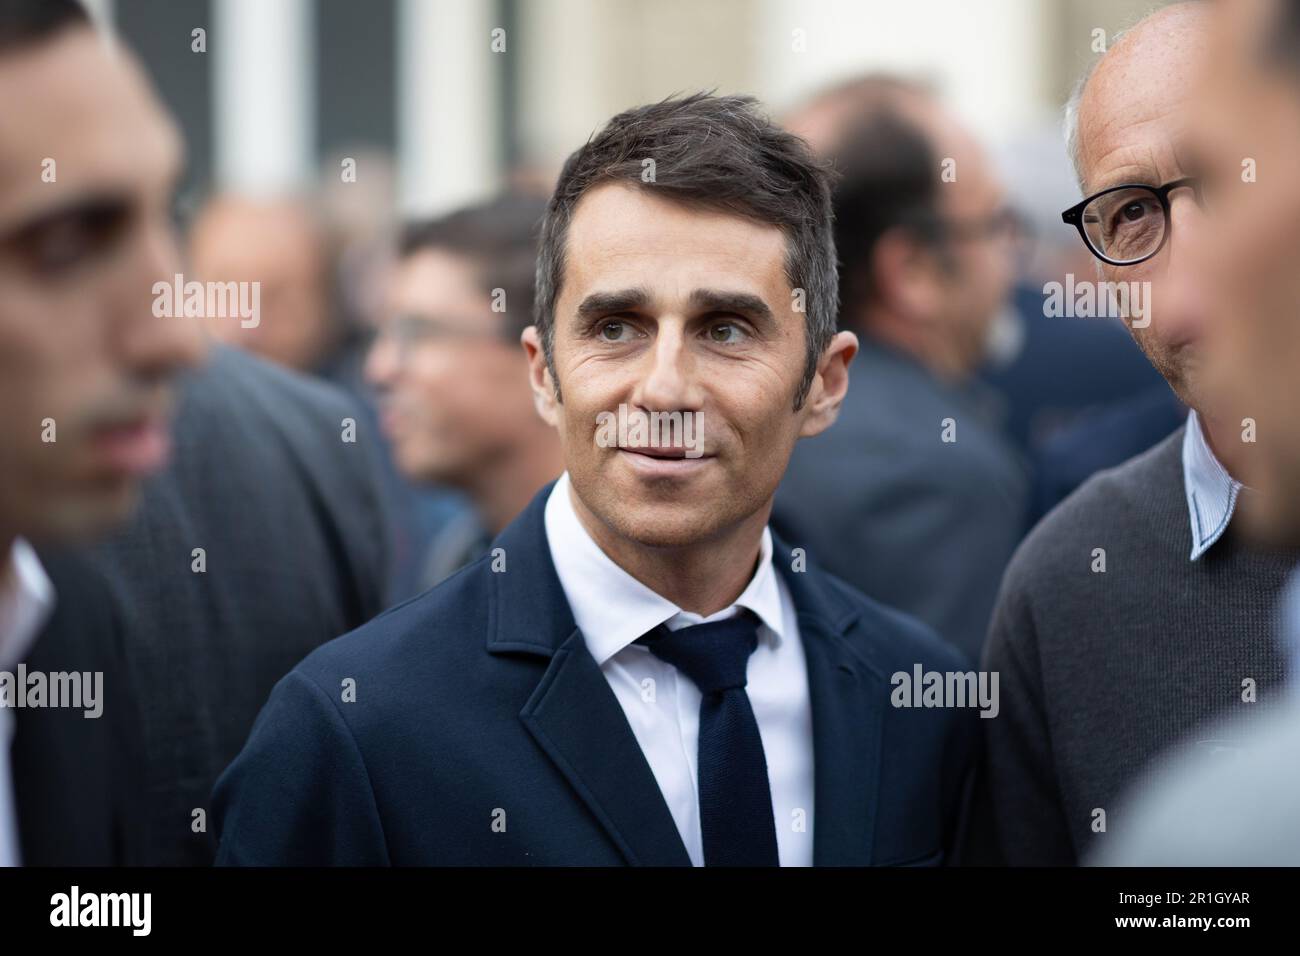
(453, 383)
(277, 245)
(1131, 126)
(976, 278)
(83, 360)
(950, 295)
(670, 308)
(1249, 136)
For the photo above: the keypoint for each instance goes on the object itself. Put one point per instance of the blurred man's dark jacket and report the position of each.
(293, 530)
(76, 779)
(880, 500)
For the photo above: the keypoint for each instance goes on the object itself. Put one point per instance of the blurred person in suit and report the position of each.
(914, 497)
(1136, 610)
(639, 672)
(1234, 804)
(451, 379)
(88, 162)
(263, 536)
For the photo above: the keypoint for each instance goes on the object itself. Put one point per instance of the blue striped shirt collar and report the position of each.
(1211, 491)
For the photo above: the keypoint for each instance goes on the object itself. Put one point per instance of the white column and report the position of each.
(447, 95)
(264, 102)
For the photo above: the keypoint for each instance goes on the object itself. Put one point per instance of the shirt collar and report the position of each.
(26, 599)
(613, 609)
(1211, 491)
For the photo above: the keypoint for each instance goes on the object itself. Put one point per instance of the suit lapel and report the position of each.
(578, 721)
(573, 714)
(848, 697)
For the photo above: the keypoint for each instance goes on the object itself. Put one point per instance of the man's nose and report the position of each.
(153, 347)
(669, 382)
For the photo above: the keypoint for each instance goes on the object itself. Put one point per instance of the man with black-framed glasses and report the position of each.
(1238, 809)
(1133, 612)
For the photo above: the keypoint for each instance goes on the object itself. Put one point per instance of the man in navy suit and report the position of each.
(638, 672)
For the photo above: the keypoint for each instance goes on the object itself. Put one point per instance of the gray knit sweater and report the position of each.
(1100, 671)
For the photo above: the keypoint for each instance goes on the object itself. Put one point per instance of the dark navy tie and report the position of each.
(735, 799)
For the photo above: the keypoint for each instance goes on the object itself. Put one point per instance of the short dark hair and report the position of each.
(25, 23)
(714, 152)
(499, 238)
(886, 166)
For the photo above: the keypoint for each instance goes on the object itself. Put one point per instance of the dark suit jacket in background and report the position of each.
(1061, 369)
(481, 698)
(1104, 438)
(294, 533)
(916, 523)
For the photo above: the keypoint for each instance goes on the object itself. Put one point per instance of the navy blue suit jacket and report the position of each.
(477, 704)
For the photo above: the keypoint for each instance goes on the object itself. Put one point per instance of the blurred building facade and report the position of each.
(462, 92)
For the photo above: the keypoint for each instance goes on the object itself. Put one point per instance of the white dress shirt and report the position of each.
(26, 598)
(613, 609)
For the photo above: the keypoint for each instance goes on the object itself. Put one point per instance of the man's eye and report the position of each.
(60, 246)
(1134, 211)
(614, 331)
(725, 333)
(67, 241)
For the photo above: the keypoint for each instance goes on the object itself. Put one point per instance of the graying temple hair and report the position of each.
(1071, 116)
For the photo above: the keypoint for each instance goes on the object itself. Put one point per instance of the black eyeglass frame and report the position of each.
(1074, 215)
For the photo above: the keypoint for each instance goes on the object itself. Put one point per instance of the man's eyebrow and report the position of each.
(1130, 174)
(99, 203)
(605, 303)
(742, 303)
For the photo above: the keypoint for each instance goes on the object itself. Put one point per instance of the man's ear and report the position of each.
(539, 377)
(829, 385)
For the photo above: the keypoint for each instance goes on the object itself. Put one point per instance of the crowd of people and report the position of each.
(362, 585)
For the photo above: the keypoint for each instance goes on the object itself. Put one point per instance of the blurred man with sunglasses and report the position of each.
(1133, 612)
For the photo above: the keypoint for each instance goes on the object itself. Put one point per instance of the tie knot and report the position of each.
(713, 655)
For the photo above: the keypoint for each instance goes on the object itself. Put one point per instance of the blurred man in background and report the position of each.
(261, 539)
(451, 377)
(1134, 611)
(88, 162)
(1236, 806)
(913, 496)
(279, 244)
